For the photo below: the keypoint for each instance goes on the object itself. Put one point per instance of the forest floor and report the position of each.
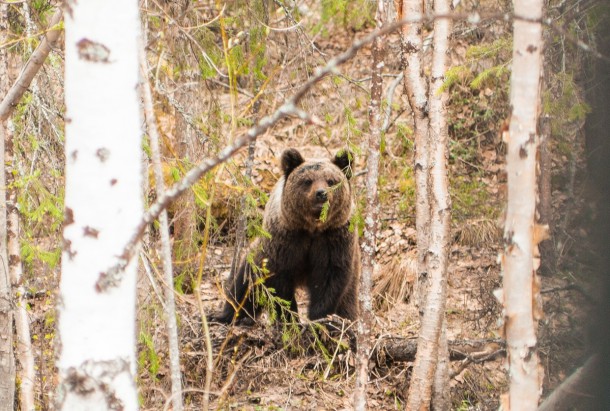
(254, 368)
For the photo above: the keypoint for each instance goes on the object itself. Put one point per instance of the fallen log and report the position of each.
(337, 335)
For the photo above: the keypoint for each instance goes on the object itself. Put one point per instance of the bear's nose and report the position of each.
(321, 195)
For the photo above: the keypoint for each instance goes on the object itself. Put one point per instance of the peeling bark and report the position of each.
(433, 214)
(417, 94)
(369, 241)
(521, 235)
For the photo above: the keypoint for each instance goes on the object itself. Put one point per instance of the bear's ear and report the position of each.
(291, 159)
(344, 160)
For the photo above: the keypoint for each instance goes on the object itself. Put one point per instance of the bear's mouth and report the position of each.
(317, 208)
(319, 211)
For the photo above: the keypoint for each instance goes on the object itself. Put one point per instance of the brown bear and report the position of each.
(310, 243)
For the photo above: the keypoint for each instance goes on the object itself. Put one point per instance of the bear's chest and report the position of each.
(298, 253)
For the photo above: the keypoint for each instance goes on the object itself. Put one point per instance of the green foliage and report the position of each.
(326, 206)
(464, 150)
(351, 125)
(324, 212)
(478, 90)
(357, 220)
(404, 134)
(350, 14)
(213, 58)
(563, 102)
(465, 405)
(490, 76)
(470, 199)
(237, 59)
(254, 199)
(258, 48)
(31, 253)
(42, 213)
(148, 359)
(492, 50)
(37, 204)
(406, 187)
(175, 172)
(146, 146)
(208, 65)
(454, 76)
(41, 6)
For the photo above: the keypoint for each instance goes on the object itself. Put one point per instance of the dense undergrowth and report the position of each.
(216, 70)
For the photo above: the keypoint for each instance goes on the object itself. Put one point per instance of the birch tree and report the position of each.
(369, 242)
(23, 342)
(166, 250)
(521, 235)
(432, 204)
(103, 204)
(7, 360)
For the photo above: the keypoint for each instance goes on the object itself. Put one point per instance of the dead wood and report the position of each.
(330, 334)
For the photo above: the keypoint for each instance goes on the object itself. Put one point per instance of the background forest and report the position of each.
(215, 69)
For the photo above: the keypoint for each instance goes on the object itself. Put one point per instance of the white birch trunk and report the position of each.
(435, 241)
(520, 313)
(23, 346)
(417, 94)
(25, 355)
(441, 202)
(97, 361)
(7, 360)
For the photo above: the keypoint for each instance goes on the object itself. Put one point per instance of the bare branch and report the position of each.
(166, 252)
(32, 66)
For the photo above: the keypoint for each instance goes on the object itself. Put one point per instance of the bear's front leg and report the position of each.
(238, 296)
(332, 280)
(282, 286)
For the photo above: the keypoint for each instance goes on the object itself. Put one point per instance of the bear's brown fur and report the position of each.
(321, 254)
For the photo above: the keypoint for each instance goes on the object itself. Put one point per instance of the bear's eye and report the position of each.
(307, 182)
(332, 182)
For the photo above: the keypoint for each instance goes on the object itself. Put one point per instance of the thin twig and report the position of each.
(390, 98)
(166, 252)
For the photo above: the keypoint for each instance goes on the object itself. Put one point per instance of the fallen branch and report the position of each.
(330, 332)
(399, 349)
(568, 287)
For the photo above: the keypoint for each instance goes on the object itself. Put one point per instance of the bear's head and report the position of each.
(316, 193)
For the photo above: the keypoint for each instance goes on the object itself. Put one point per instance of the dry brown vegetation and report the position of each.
(202, 107)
